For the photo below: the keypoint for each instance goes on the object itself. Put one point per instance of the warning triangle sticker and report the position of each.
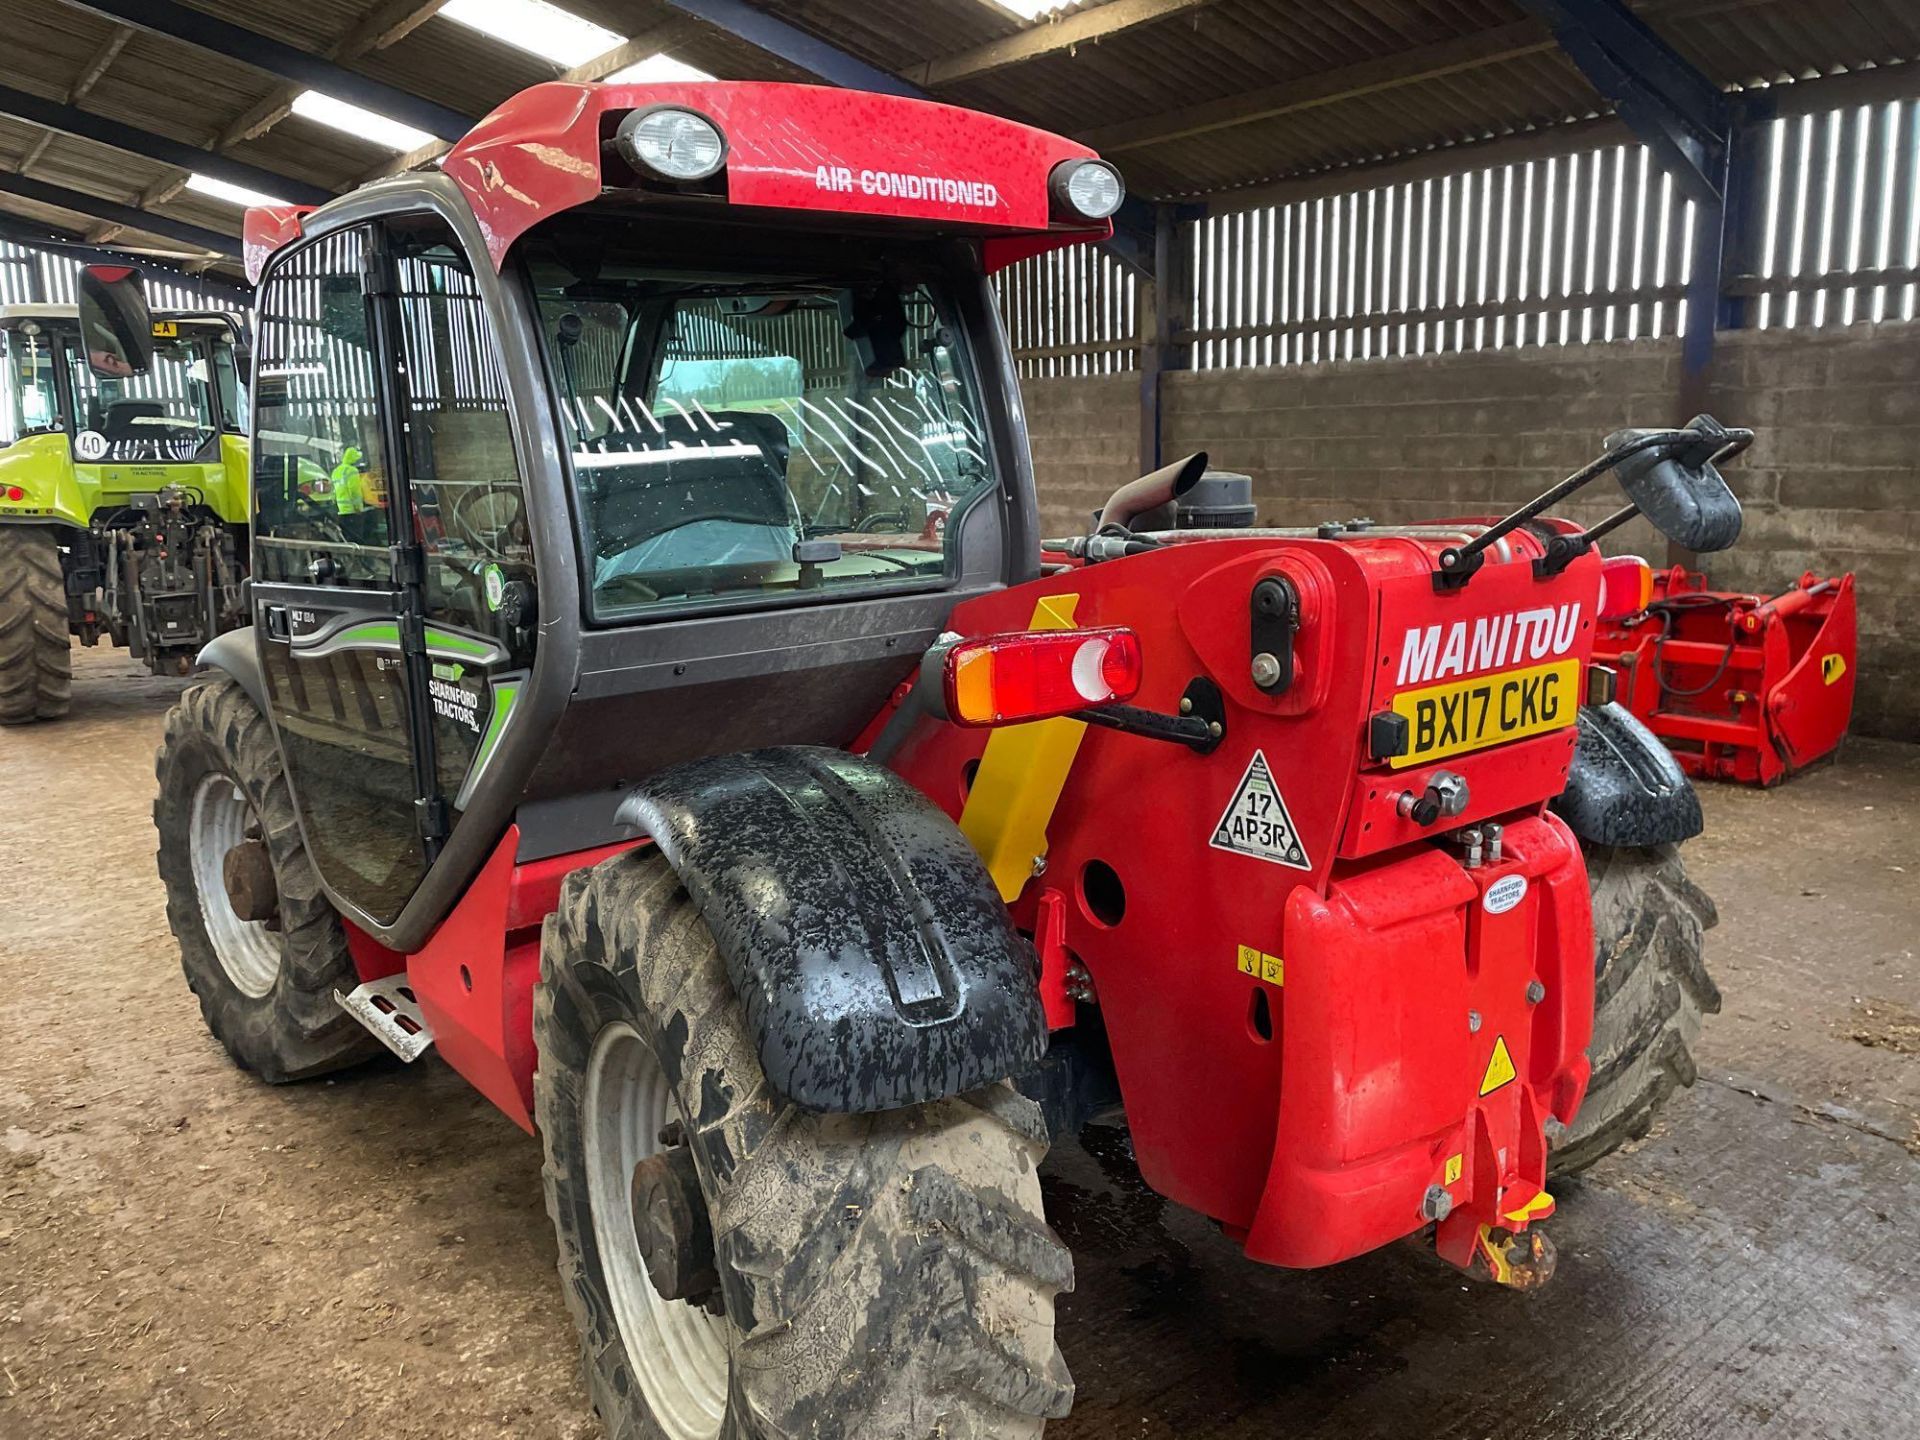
(1500, 1069)
(1256, 821)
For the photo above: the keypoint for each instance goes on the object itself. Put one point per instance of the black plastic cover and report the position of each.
(874, 959)
(1624, 787)
(1683, 496)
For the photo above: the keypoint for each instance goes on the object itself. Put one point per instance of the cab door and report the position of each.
(336, 592)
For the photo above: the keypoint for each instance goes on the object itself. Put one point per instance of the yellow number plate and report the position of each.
(1468, 715)
(165, 330)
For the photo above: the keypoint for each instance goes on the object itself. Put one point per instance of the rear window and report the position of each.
(758, 439)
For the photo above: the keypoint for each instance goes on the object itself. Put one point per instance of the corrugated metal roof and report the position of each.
(1381, 78)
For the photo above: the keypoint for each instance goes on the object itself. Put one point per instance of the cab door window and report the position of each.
(468, 502)
(320, 470)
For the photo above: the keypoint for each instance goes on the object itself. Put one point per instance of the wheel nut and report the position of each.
(1438, 1204)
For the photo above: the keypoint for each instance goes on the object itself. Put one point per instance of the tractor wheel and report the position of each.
(36, 665)
(265, 984)
(1652, 993)
(739, 1267)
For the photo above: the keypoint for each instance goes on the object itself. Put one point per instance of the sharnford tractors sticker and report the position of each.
(1256, 821)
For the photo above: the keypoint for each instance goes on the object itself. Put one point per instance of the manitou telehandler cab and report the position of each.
(693, 746)
(123, 485)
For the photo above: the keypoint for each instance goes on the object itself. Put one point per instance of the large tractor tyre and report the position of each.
(1651, 996)
(784, 1273)
(266, 985)
(36, 664)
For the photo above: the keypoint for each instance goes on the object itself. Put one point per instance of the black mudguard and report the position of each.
(235, 653)
(874, 960)
(1624, 787)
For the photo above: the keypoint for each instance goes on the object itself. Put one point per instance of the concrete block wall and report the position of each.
(1833, 483)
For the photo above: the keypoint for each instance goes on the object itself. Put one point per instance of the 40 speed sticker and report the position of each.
(1256, 821)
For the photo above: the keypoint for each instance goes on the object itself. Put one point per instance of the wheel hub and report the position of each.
(247, 872)
(671, 1225)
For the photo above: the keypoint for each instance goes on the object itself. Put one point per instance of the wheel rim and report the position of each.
(246, 949)
(677, 1351)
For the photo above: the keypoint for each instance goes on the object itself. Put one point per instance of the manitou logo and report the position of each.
(1491, 642)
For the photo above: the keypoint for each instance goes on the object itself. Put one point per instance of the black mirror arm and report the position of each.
(1458, 563)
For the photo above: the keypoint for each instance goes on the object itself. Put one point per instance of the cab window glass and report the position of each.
(754, 438)
(465, 478)
(30, 404)
(165, 415)
(321, 492)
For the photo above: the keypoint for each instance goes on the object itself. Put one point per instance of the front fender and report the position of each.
(236, 654)
(1624, 787)
(874, 960)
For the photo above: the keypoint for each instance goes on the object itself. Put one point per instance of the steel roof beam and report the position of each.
(53, 237)
(70, 120)
(1080, 27)
(775, 37)
(1680, 114)
(79, 203)
(249, 47)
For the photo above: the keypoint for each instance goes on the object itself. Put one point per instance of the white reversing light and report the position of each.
(1089, 189)
(673, 143)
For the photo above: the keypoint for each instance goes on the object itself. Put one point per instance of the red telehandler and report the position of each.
(688, 740)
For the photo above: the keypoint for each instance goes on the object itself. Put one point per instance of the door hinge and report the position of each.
(431, 811)
(379, 275)
(409, 565)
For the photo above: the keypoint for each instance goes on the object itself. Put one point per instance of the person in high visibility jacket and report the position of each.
(349, 482)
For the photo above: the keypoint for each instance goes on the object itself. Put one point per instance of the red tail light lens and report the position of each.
(1626, 586)
(14, 492)
(1004, 679)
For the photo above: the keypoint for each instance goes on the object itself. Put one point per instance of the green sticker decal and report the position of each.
(496, 586)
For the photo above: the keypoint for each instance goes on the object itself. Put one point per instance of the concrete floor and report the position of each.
(185, 1252)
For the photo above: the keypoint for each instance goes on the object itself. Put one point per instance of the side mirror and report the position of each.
(116, 324)
(1677, 487)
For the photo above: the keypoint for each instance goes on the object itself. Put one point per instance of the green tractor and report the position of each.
(123, 485)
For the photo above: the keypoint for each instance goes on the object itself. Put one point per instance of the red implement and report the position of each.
(1740, 687)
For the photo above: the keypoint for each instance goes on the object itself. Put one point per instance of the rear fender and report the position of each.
(1625, 787)
(874, 960)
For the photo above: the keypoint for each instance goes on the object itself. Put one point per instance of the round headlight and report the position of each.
(674, 144)
(1089, 189)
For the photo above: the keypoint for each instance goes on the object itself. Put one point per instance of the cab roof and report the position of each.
(810, 148)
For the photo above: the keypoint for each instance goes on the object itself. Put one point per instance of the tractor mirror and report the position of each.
(1679, 489)
(116, 324)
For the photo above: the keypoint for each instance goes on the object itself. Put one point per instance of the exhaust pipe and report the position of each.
(1149, 492)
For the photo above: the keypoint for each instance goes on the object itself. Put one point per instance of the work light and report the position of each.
(1088, 189)
(672, 143)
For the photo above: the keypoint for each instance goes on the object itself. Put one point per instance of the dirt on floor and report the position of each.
(184, 1251)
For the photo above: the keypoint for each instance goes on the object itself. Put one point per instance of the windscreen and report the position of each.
(756, 437)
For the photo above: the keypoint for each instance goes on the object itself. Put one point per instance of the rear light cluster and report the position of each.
(1626, 586)
(14, 492)
(1034, 674)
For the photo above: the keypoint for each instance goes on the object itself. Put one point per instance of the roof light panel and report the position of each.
(656, 69)
(226, 190)
(1031, 9)
(353, 120)
(535, 26)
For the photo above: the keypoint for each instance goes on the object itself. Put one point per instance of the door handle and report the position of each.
(278, 627)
